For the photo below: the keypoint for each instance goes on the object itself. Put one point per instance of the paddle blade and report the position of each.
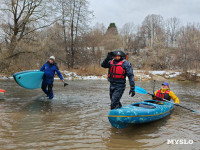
(65, 84)
(2, 91)
(140, 90)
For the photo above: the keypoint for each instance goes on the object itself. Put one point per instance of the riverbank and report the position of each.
(140, 75)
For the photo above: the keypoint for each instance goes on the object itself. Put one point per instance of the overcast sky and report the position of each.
(125, 11)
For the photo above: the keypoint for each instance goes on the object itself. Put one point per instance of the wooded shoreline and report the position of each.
(30, 34)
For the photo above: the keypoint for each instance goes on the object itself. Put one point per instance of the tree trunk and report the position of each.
(64, 33)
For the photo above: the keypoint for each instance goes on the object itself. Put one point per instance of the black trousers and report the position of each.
(116, 92)
(48, 89)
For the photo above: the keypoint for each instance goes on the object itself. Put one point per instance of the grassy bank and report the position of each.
(97, 72)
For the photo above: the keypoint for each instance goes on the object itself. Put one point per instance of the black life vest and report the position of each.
(116, 71)
(163, 95)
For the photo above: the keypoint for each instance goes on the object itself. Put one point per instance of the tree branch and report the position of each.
(17, 54)
(22, 35)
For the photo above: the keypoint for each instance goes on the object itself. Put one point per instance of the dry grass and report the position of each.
(90, 70)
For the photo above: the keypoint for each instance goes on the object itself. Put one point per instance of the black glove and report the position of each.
(153, 96)
(109, 56)
(132, 92)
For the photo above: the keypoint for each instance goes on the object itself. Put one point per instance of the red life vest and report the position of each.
(116, 71)
(163, 95)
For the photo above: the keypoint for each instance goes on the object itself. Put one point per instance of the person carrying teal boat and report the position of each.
(165, 93)
(49, 68)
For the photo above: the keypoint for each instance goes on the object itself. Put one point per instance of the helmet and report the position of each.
(119, 53)
(52, 57)
(166, 84)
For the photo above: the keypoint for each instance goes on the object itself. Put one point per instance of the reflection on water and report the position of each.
(138, 136)
(77, 118)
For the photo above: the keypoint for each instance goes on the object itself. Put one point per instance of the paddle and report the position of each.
(143, 91)
(154, 84)
(65, 84)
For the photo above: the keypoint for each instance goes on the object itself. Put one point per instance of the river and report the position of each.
(77, 118)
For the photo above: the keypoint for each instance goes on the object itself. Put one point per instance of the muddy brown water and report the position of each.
(77, 118)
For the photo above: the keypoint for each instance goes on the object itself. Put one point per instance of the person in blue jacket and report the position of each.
(119, 68)
(49, 68)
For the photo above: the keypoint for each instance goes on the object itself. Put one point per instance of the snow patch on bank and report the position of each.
(157, 72)
(73, 76)
(5, 78)
(139, 75)
(166, 74)
(172, 75)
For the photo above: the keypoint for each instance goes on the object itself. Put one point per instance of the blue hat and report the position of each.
(165, 83)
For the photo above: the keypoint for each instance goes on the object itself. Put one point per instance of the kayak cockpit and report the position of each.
(149, 106)
(154, 102)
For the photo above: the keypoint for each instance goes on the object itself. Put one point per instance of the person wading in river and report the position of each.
(119, 68)
(165, 93)
(49, 68)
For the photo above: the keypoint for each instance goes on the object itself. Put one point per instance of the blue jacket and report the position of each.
(49, 72)
(128, 69)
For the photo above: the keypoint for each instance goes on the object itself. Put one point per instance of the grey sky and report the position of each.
(124, 11)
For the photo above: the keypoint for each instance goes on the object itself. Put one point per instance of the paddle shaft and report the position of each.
(154, 83)
(172, 102)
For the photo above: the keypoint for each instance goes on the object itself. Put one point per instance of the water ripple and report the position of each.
(77, 119)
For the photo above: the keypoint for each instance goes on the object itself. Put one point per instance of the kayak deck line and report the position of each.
(140, 115)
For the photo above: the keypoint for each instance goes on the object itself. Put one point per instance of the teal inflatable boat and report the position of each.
(137, 113)
(30, 79)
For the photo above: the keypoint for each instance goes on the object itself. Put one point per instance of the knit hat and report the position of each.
(52, 57)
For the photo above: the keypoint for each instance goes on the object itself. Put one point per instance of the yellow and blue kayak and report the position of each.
(137, 113)
(30, 79)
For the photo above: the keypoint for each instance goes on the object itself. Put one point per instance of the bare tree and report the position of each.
(94, 42)
(22, 18)
(172, 27)
(153, 28)
(188, 46)
(128, 35)
(75, 16)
